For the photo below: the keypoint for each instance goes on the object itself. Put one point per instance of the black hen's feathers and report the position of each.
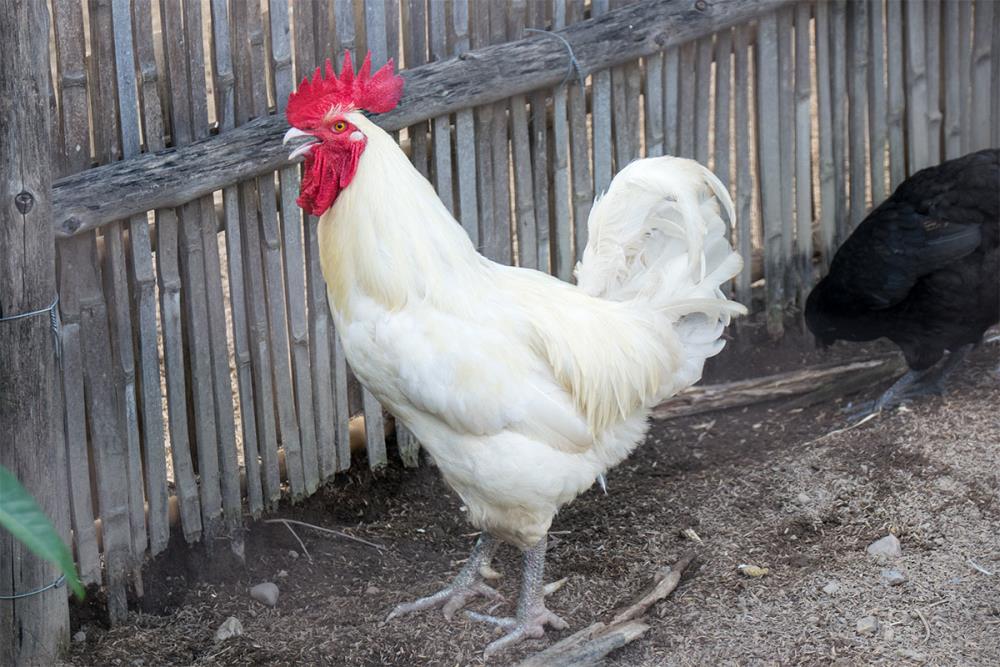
(922, 268)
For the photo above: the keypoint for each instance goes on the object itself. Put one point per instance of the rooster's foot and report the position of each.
(468, 584)
(529, 625)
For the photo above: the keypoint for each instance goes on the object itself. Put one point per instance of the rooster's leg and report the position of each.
(468, 583)
(532, 615)
(933, 383)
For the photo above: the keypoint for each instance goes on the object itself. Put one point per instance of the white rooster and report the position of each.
(523, 388)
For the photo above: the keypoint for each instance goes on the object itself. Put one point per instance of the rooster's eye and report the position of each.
(339, 126)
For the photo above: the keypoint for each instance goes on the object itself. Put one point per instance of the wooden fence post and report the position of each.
(33, 629)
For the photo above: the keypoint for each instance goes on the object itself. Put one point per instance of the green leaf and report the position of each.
(21, 515)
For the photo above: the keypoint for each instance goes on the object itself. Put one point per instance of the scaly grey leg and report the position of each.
(466, 585)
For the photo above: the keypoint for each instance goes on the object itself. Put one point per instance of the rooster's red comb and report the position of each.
(314, 99)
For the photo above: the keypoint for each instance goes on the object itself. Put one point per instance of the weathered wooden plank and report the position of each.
(35, 628)
(498, 242)
(671, 108)
(492, 73)
(824, 104)
(688, 75)
(113, 453)
(583, 187)
(878, 131)
(75, 143)
(294, 265)
(443, 174)
(953, 45)
(981, 77)
(742, 105)
(479, 35)
(466, 143)
(918, 146)
(965, 72)
(896, 97)
(524, 194)
(786, 136)
(932, 13)
(600, 117)
(838, 88)
(857, 58)
(653, 97)
(225, 113)
(563, 197)
(342, 411)
(769, 170)
(414, 22)
(540, 152)
(995, 87)
(803, 152)
(723, 104)
(703, 97)
(248, 102)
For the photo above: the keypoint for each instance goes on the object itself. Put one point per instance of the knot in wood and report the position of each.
(701, 5)
(24, 201)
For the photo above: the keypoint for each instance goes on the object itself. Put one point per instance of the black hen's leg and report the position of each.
(467, 585)
(892, 397)
(933, 383)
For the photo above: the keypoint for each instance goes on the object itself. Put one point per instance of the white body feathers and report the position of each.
(524, 388)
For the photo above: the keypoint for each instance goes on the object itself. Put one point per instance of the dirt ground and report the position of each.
(759, 485)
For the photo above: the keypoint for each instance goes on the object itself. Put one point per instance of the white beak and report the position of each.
(295, 133)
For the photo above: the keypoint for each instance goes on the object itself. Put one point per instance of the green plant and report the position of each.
(21, 515)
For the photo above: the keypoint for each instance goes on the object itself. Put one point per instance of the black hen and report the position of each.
(923, 270)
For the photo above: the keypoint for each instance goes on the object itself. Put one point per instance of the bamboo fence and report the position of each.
(201, 374)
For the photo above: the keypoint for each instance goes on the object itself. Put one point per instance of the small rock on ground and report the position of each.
(867, 625)
(831, 588)
(893, 577)
(886, 547)
(265, 593)
(231, 627)
(80, 636)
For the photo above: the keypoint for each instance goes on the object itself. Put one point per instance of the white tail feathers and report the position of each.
(657, 238)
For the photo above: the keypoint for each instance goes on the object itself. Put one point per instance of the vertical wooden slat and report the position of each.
(671, 108)
(878, 131)
(896, 98)
(498, 243)
(857, 56)
(111, 446)
(824, 104)
(786, 136)
(225, 111)
(540, 155)
(953, 45)
(247, 241)
(932, 12)
(981, 77)
(584, 187)
(653, 96)
(744, 185)
(769, 170)
(703, 93)
(688, 76)
(916, 87)
(524, 195)
(803, 152)
(965, 72)
(414, 24)
(723, 74)
(443, 174)
(601, 123)
(838, 74)
(466, 143)
(995, 88)
(480, 36)
(567, 99)
(376, 41)
(76, 282)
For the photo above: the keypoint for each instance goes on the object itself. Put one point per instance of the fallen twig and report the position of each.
(927, 627)
(296, 536)
(327, 530)
(590, 645)
(980, 568)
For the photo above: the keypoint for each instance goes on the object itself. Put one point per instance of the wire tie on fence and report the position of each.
(60, 580)
(574, 64)
(53, 311)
